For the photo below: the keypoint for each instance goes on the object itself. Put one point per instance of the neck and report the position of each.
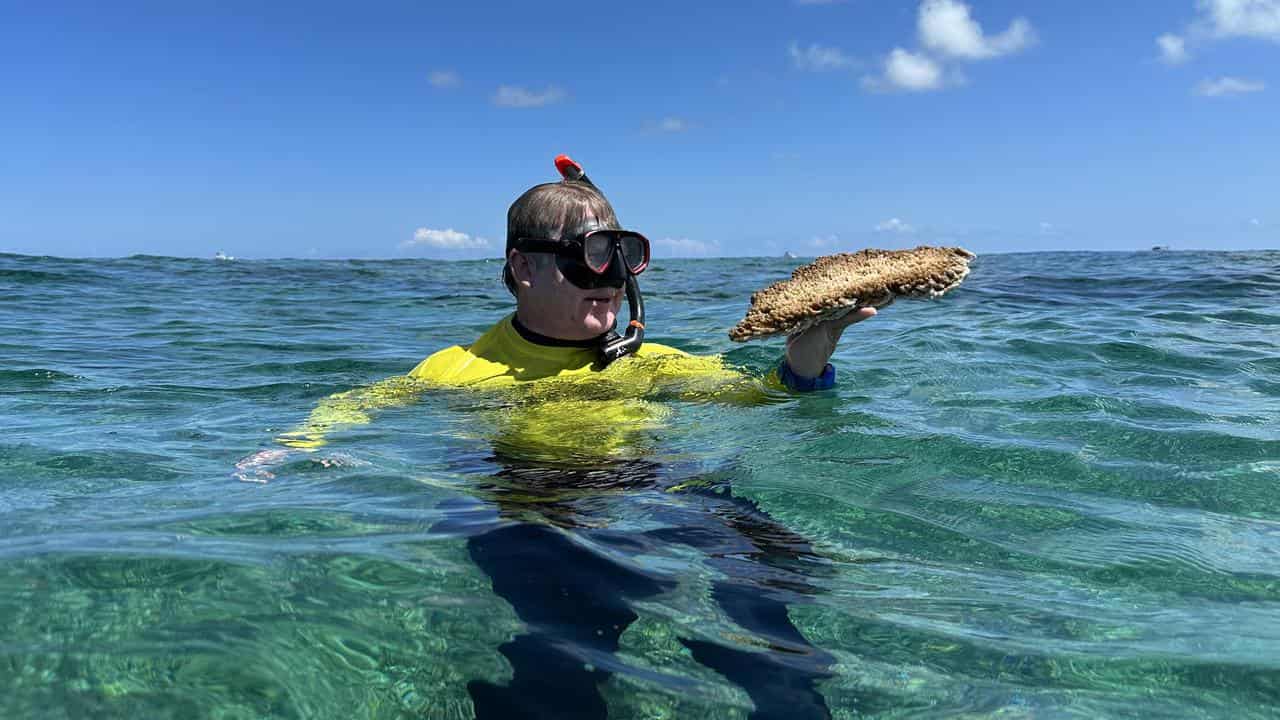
(536, 334)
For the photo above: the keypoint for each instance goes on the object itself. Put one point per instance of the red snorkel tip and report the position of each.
(569, 170)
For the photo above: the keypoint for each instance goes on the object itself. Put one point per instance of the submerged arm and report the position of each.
(353, 407)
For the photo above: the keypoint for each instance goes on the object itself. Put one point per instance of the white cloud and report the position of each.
(1173, 49)
(448, 239)
(684, 247)
(895, 225)
(949, 35)
(672, 125)
(1255, 222)
(1229, 86)
(819, 58)
(824, 241)
(514, 96)
(1046, 228)
(443, 79)
(1242, 18)
(1221, 19)
(945, 26)
(907, 71)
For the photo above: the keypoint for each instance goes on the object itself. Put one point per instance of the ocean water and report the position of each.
(1053, 493)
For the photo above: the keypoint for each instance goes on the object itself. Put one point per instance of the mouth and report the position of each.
(601, 298)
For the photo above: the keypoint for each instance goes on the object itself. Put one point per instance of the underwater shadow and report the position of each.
(539, 538)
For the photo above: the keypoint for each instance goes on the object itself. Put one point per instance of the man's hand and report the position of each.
(808, 352)
(256, 468)
(260, 466)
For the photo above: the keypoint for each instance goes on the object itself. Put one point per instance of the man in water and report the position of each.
(569, 265)
(568, 261)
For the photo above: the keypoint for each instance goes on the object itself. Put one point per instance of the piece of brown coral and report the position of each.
(835, 285)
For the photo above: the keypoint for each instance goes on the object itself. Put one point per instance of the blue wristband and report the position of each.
(825, 381)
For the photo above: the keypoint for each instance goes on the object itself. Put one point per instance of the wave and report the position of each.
(35, 378)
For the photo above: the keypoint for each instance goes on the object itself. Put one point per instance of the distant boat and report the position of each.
(1159, 248)
(223, 256)
(788, 255)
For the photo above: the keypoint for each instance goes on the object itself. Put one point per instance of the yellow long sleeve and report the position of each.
(352, 407)
(548, 390)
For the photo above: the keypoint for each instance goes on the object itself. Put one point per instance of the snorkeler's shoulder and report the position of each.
(448, 366)
(467, 365)
(441, 364)
(459, 366)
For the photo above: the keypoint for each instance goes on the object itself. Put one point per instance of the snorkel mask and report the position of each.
(596, 258)
(600, 258)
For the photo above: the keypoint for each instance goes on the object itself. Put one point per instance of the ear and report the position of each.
(521, 269)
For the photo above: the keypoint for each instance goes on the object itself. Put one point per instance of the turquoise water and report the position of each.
(1055, 493)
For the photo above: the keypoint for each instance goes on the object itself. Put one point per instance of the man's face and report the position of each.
(555, 307)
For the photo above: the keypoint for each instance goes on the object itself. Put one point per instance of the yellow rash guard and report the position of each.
(503, 357)
(551, 389)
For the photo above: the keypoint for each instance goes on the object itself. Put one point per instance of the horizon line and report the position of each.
(230, 258)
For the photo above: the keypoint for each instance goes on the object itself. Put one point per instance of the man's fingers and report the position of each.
(254, 468)
(262, 457)
(261, 477)
(856, 316)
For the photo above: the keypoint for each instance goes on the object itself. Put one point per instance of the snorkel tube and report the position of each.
(612, 345)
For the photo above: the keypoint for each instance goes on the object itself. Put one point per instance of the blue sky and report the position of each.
(745, 128)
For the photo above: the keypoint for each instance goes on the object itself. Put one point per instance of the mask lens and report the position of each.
(598, 250)
(635, 252)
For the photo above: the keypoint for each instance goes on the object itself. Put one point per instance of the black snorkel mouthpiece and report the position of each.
(612, 345)
(616, 346)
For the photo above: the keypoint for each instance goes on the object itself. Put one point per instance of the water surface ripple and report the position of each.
(1052, 494)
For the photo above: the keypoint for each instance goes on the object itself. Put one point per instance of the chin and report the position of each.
(598, 321)
(595, 325)
(594, 319)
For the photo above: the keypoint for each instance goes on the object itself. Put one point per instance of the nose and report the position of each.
(615, 276)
